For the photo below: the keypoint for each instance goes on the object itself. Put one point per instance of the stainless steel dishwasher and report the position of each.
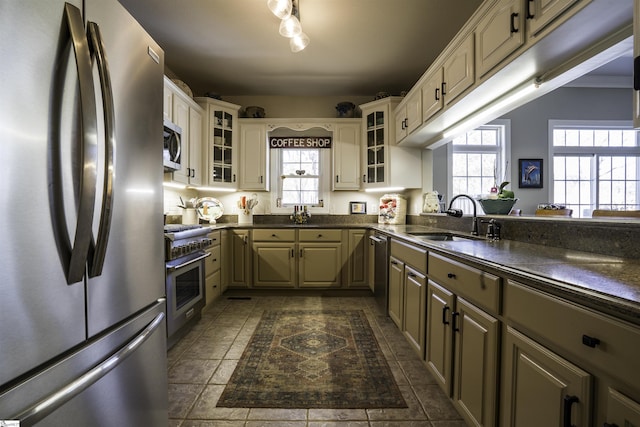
(380, 244)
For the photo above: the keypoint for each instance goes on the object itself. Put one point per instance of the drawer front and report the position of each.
(415, 256)
(476, 285)
(274, 235)
(212, 262)
(215, 237)
(583, 334)
(320, 235)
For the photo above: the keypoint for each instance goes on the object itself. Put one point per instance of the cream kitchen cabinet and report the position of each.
(346, 155)
(599, 350)
(621, 411)
(358, 258)
(407, 292)
(408, 115)
(212, 268)
(220, 134)
(499, 34)
(541, 388)
(188, 115)
(462, 340)
(240, 250)
(384, 163)
(274, 258)
(254, 161)
(445, 82)
(541, 13)
(320, 263)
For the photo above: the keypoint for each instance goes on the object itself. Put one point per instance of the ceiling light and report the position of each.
(290, 27)
(280, 8)
(299, 42)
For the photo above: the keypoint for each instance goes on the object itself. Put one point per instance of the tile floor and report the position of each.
(201, 363)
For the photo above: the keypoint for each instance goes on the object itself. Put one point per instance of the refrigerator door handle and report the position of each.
(87, 146)
(46, 406)
(98, 249)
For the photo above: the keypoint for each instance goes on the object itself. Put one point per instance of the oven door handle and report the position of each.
(191, 261)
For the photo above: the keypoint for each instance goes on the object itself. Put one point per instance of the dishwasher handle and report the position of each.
(376, 239)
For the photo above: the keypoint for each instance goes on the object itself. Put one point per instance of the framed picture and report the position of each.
(358, 207)
(530, 173)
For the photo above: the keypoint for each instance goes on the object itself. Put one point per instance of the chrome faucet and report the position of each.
(458, 212)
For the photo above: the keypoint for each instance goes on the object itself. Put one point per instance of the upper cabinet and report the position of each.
(498, 34)
(220, 136)
(408, 116)
(254, 161)
(385, 164)
(505, 46)
(541, 13)
(346, 155)
(181, 110)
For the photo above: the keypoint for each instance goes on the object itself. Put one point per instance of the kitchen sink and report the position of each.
(443, 236)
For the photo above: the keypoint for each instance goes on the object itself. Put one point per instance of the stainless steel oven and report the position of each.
(185, 271)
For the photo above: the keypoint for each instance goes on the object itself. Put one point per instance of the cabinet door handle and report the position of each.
(234, 177)
(394, 262)
(301, 252)
(454, 321)
(261, 179)
(444, 315)
(514, 15)
(337, 178)
(451, 275)
(444, 88)
(245, 239)
(568, 402)
(437, 91)
(590, 341)
(411, 274)
(529, 14)
(636, 73)
(292, 253)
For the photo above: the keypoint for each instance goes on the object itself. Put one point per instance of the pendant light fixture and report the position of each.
(290, 27)
(280, 8)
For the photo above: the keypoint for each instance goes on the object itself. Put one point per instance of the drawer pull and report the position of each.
(319, 236)
(568, 402)
(412, 275)
(451, 275)
(444, 315)
(454, 317)
(590, 341)
(273, 235)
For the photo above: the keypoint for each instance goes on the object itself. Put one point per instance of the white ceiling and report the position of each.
(358, 47)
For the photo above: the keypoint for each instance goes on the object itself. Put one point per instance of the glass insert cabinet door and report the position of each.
(375, 147)
(221, 147)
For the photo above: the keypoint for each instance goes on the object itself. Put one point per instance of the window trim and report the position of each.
(504, 152)
(586, 151)
(324, 184)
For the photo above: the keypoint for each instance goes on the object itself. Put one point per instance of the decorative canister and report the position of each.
(346, 110)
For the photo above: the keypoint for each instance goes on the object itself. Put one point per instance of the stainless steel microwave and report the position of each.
(172, 146)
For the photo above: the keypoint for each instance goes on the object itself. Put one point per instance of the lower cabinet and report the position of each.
(290, 258)
(320, 265)
(358, 258)
(212, 268)
(274, 265)
(462, 340)
(407, 292)
(542, 388)
(621, 410)
(240, 251)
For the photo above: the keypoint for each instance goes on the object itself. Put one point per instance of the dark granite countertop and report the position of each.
(606, 283)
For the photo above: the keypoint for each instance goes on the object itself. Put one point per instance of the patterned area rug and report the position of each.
(312, 359)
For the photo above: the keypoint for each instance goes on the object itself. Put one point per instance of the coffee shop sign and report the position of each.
(300, 142)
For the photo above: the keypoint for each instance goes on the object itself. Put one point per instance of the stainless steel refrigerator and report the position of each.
(82, 298)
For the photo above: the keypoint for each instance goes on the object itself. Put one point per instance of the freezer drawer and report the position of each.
(132, 393)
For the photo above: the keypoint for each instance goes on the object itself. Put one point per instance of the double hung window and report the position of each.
(596, 165)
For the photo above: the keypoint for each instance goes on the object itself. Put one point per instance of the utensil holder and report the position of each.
(244, 218)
